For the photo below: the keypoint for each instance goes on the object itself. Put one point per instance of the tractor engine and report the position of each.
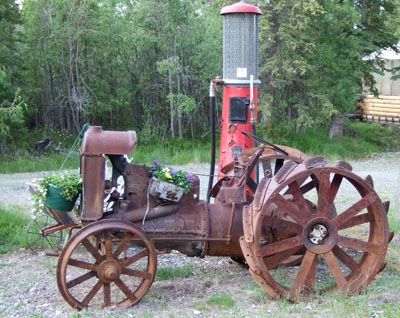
(191, 226)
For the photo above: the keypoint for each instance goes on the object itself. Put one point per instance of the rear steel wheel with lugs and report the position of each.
(327, 213)
(105, 263)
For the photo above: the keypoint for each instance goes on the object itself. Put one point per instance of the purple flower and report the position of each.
(155, 164)
(189, 177)
(173, 172)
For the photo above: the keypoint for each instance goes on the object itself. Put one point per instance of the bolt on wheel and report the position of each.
(328, 214)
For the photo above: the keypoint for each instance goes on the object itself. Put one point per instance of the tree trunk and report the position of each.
(336, 128)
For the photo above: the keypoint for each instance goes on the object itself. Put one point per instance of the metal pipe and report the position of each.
(253, 122)
(212, 123)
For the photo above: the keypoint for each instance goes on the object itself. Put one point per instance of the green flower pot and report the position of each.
(56, 201)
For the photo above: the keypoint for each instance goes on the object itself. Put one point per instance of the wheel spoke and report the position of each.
(357, 220)
(32, 244)
(82, 264)
(92, 250)
(130, 260)
(132, 272)
(311, 274)
(48, 241)
(123, 244)
(276, 259)
(290, 208)
(305, 268)
(346, 259)
(108, 244)
(366, 201)
(92, 293)
(125, 289)
(80, 279)
(283, 225)
(323, 189)
(299, 199)
(107, 294)
(281, 246)
(308, 186)
(359, 245)
(335, 269)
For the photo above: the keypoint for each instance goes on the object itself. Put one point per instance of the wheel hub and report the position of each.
(318, 233)
(109, 270)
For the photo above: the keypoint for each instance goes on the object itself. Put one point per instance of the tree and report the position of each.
(312, 57)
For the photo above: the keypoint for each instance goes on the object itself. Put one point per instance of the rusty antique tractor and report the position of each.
(323, 222)
(295, 218)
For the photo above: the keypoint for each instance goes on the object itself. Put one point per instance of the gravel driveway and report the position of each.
(28, 284)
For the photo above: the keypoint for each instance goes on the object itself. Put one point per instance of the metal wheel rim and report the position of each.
(94, 229)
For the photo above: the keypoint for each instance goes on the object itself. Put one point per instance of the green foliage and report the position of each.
(311, 58)
(359, 139)
(13, 222)
(178, 178)
(11, 113)
(70, 183)
(172, 150)
(170, 272)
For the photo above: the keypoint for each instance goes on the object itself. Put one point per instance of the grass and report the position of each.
(12, 228)
(44, 163)
(165, 273)
(359, 140)
(219, 301)
(172, 151)
(390, 310)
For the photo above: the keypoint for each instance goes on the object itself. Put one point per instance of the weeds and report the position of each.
(12, 228)
(219, 301)
(165, 273)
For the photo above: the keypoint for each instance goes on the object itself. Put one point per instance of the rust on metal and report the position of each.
(277, 225)
(97, 141)
(315, 230)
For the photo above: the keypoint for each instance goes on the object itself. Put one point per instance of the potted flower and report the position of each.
(58, 192)
(167, 183)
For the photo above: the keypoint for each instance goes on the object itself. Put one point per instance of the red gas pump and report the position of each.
(240, 82)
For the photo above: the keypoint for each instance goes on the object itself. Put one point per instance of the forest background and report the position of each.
(146, 65)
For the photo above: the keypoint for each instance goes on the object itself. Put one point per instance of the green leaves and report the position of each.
(311, 58)
(70, 183)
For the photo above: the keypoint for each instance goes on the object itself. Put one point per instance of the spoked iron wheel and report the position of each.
(107, 262)
(36, 239)
(344, 240)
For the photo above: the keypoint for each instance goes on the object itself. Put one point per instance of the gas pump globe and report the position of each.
(240, 78)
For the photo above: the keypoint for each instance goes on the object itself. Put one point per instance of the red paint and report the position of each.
(240, 7)
(229, 137)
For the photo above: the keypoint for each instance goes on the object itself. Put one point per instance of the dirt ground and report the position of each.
(28, 285)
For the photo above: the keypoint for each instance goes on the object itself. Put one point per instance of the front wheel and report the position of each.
(104, 263)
